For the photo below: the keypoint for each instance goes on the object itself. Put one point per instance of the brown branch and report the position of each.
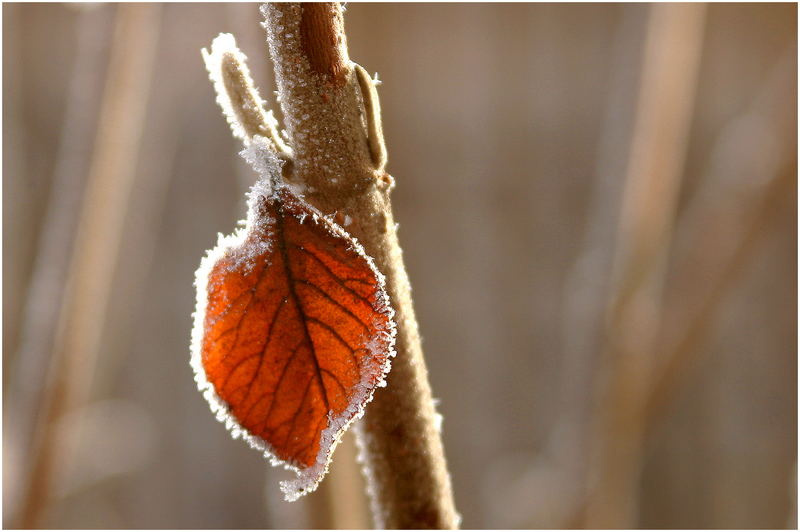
(328, 124)
(323, 39)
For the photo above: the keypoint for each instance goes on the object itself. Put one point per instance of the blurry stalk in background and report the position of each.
(744, 188)
(747, 185)
(655, 170)
(45, 293)
(749, 176)
(97, 245)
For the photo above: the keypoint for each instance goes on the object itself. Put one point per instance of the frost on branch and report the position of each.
(237, 95)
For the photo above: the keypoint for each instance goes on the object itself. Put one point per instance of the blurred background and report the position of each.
(598, 211)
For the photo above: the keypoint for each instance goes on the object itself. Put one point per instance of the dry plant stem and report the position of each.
(770, 205)
(587, 287)
(325, 117)
(339, 502)
(348, 504)
(671, 61)
(46, 287)
(753, 197)
(97, 243)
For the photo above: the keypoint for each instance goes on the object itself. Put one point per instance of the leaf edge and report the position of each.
(308, 478)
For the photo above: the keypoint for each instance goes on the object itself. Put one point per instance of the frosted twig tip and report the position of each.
(238, 96)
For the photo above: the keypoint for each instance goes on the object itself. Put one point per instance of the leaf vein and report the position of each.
(333, 275)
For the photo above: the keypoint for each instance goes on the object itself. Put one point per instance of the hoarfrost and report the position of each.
(265, 162)
(438, 418)
(263, 159)
(224, 44)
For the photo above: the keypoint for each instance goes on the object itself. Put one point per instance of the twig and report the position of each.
(238, 96)
(337, 152)
(323, 105)
(97, 243)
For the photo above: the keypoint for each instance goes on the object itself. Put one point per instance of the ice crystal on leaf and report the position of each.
(293, 330)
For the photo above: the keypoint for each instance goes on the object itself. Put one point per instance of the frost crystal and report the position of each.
(265, 162)
(262, 158)
(223, 44)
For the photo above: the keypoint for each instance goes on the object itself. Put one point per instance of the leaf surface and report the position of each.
(293, 333)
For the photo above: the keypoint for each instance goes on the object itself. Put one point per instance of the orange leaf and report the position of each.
(293, 333)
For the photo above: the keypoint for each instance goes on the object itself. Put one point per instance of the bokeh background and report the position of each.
(598, 211)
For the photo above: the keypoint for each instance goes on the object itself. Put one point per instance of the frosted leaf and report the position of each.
(263, 159)
(241, 251)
